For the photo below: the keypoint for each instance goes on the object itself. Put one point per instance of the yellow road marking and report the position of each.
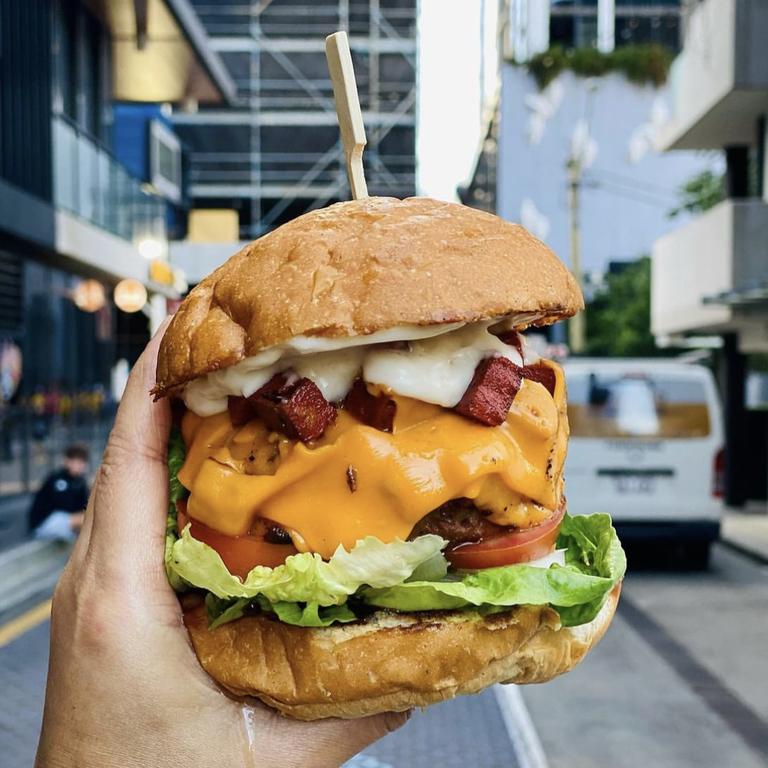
(21, 624)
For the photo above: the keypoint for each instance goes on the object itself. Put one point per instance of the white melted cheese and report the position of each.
(436, 368)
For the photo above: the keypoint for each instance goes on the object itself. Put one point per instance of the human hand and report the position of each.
(124, 686)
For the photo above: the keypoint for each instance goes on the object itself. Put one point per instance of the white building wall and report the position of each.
(630, 189)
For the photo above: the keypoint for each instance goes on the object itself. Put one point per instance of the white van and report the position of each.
(647, 447)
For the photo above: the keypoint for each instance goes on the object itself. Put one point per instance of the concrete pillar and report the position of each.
(606, 25)
(157, 311)
(518, 21)
(733, 371)
(528, 28)
(762, 154)
(538, 26)
(737, 171)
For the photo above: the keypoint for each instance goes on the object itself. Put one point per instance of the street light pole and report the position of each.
(576, 327)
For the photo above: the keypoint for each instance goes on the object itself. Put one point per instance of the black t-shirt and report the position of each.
(61, 492)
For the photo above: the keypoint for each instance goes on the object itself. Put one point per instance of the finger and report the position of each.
(130, 497)
(325, 743)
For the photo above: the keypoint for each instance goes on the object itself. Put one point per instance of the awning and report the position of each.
(161, 53)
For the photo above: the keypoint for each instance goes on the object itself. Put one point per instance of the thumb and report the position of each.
(130, 498)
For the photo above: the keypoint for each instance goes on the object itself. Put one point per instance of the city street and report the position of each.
(679, 681)
(388, 287)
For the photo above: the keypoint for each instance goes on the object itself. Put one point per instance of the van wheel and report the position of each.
(696, 554)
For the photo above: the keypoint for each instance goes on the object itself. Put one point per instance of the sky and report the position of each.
(450, 103)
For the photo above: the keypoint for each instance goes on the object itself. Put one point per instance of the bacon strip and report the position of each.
(296, 409)
(243, 409)
(541, 373)
(513, 339)
(489, 395)
(377, 411)
(305, 413)
(240, 409)
(495, 384)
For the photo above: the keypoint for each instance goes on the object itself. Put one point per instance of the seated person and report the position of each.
(58, 508)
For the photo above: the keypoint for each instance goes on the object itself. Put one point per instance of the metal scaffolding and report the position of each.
(278, 154)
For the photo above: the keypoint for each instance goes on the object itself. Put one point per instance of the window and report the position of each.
(165, 161)
(662, 28)
(633, 405)
(80, 68)
(573, 23)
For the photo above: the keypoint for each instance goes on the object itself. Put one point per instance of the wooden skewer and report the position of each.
(347, 109)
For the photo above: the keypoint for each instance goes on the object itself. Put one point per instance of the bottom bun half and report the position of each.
(391, 661)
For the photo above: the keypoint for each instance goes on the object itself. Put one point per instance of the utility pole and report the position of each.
(582, 155)
(576, 328)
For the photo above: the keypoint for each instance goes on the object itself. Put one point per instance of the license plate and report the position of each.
(635, 484)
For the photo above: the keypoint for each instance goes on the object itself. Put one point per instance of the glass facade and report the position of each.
(91, 184)
(573, 23)
(58, 362)
(663, 28)
(87, 180)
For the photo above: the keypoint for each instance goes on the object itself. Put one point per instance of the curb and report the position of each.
(520, 728)
(755, 555)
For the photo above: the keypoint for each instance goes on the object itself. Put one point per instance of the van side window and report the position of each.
(627, 405)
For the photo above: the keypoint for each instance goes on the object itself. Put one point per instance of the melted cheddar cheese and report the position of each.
(432, 455)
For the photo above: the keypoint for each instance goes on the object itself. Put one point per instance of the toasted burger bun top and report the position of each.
(362, 266)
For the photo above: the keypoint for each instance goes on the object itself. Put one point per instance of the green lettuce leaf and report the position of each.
(222, 611)
(301, 615)
(309, 615)
(176, 456)
(592, 546)
(176, 491)
(305, 578)
(594, 563)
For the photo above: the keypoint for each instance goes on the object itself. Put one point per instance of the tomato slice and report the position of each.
(520, 546)
(239, 553)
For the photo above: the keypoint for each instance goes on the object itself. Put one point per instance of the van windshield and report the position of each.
(631, 405)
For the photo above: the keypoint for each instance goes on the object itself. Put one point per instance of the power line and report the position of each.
(631, 181)
(629, 193)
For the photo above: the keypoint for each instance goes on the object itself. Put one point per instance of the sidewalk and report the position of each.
(747, 531)
(29, 573)
(13, 519)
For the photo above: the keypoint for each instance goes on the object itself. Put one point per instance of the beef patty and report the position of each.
(458, 521)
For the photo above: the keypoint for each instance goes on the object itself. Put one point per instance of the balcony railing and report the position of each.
(90, 183)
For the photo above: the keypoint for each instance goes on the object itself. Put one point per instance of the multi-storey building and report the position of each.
(277, 153)
(626, 189)
(710, 277)
(87, 188)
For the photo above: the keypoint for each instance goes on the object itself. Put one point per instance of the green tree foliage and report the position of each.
(700, 193)
(641, 64)
(619, 317)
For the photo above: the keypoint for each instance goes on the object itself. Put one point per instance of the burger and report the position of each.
(367, 507)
